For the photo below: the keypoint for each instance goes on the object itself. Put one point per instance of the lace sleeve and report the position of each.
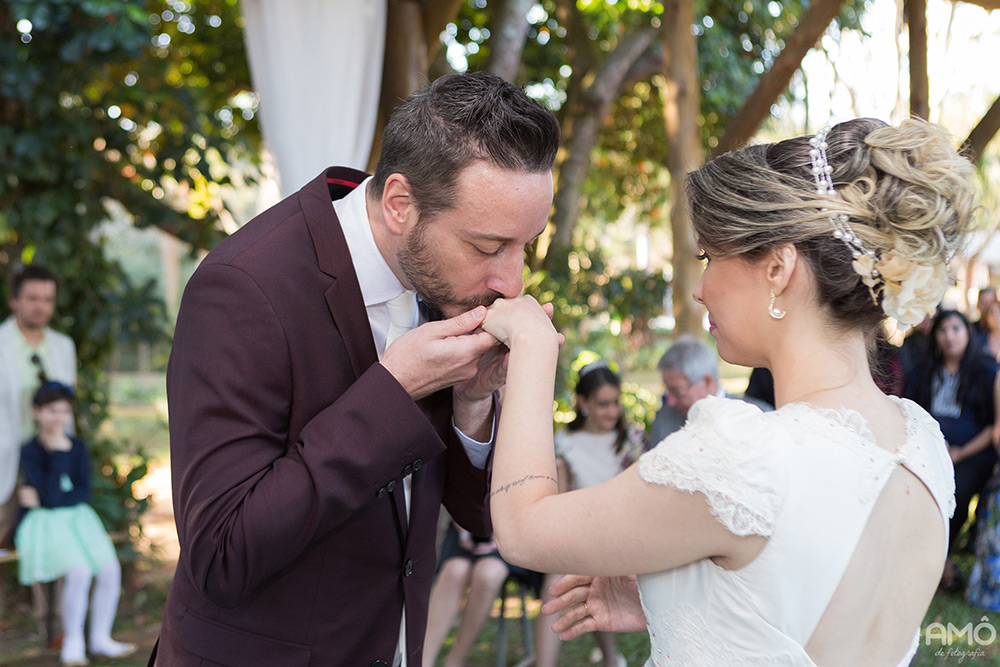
(728, 451)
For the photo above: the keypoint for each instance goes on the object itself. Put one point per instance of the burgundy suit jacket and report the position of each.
(288, 446)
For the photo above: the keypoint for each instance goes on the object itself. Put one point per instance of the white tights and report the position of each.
(103, 607)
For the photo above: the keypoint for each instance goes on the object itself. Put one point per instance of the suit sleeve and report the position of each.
(466, 488)
(247, 500)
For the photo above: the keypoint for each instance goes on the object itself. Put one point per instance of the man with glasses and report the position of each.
(31, 354)
(690, 371)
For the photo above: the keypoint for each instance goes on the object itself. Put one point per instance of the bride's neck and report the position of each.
(823, 370)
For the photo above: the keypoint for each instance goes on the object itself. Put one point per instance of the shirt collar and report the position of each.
(378, 282)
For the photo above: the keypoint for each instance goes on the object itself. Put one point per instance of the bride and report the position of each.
(814, 534)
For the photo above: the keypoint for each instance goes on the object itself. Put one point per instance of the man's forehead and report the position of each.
(671, 375)
(38, 285)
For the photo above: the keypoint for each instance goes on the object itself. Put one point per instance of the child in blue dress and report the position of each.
(61, 535)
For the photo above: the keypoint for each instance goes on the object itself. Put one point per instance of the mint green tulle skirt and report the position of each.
(51, 542)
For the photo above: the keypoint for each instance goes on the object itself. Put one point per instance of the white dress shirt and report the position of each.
(378, 285)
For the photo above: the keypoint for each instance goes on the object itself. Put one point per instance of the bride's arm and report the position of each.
(624, 526)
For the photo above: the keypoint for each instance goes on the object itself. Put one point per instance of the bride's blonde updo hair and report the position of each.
(907, 194)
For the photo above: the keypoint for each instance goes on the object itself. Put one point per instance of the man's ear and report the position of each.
(711, 383)
(398, 205)
(780, 266)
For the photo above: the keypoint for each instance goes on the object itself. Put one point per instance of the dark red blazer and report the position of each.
(288, 446)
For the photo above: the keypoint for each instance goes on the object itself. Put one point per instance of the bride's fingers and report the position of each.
(586, 625)
(573, 596)
(573, 615)
(567, 582)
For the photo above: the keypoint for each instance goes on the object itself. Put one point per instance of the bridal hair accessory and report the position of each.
(822, 170)
(776, 313)
(910, 290)
(593, 366)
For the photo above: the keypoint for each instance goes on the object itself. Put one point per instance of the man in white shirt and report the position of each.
(30, 354)
(320, 413)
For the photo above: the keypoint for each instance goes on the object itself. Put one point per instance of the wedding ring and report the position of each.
(586, 609)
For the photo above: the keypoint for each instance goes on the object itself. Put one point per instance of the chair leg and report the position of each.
(502, 630)
(53, 621)
(529, 643)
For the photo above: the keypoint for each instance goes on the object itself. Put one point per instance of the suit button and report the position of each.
(417, 463)
(391, 485)
(408, 470)
(379, 663)
(408, 568)
(380, 492)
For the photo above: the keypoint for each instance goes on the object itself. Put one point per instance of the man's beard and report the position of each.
(427, 277)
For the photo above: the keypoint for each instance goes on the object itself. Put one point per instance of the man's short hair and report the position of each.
(456, 121)
(690, 357)
(31, 272)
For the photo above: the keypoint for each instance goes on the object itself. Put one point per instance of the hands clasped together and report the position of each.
(468, 352)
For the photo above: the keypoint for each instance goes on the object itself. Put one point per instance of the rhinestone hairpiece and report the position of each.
(593, 366)
(822, 171)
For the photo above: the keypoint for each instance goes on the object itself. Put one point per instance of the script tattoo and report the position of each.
(507, 487)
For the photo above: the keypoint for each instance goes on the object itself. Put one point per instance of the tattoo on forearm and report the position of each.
(507, 487)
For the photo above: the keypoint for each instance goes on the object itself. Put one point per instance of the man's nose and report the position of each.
(671, 399)
(509, 279)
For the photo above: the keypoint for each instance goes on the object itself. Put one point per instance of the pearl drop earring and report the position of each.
(776, 313)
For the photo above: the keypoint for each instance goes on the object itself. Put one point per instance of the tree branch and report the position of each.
(507, 35)
(983, 132)
(595, 103)
(757, 107)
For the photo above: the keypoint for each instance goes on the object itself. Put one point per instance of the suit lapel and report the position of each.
(343, 297)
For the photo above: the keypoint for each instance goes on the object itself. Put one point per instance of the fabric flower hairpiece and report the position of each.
(910, 290)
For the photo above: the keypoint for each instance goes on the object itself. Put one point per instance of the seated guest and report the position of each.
(690, 370)
(466, 562)
(987, 297)
(955, 384)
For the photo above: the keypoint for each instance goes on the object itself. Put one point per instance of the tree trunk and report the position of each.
(587, 119)
(983, 132)
(681, 99)
(757, 107)
(408, 52)
(508, 31)
(916, 16)
(436, 15)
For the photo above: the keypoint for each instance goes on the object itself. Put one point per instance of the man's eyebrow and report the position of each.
(499, 238)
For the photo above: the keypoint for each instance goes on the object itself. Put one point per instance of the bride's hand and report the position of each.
(587, 604)
(519, 315)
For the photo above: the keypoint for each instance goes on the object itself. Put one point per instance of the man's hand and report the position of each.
(612, 605)
(441, 354)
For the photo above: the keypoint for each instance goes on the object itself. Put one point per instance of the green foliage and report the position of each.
(603, 305)
(139, 102)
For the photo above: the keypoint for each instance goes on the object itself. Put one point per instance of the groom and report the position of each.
(315, 429)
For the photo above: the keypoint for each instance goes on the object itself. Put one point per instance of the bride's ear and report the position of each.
(779, 266)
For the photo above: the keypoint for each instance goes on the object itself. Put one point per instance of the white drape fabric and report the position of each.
(317, 66)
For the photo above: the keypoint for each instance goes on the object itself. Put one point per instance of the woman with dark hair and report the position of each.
(813, 534)
(955, 384)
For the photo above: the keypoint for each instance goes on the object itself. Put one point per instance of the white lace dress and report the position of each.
(807, 478)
